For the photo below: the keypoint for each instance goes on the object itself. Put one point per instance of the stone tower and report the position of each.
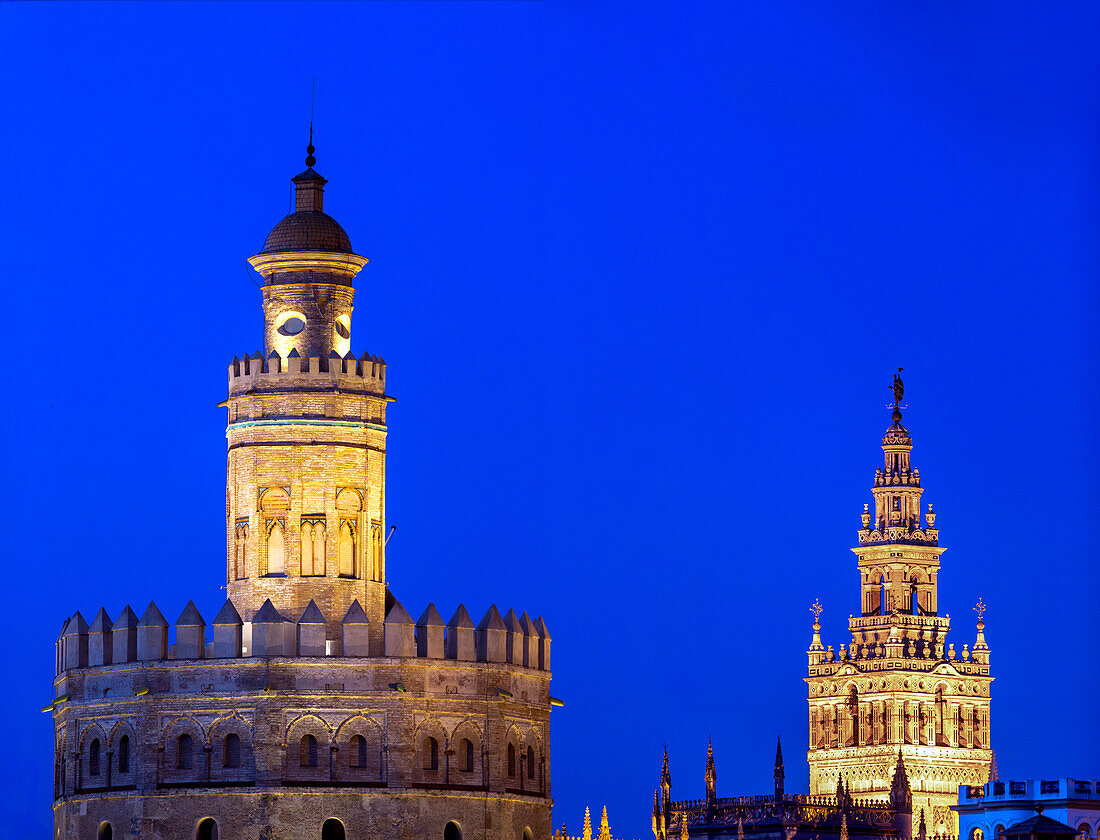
(307, 434)
(313, 705)
(899, 688)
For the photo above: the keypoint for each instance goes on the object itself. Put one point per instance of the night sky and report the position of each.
(642, 274)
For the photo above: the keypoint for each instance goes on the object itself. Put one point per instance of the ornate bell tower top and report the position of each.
(898, 553)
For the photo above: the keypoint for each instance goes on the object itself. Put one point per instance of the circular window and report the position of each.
(292, 326)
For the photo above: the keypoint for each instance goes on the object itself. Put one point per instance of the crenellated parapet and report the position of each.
(522, 643)
(275, 372)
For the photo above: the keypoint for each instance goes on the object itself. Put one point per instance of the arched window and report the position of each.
(941, 717)
(349, 504)
(998, 831)
(528, 834)
(232, 751)
(207, 830)
(853, 717)
(883, 607)
(307, 751)
(377, 549)
(183, 752)
(1083, 831)
(306, 535)
(93, 758)
(276, 548)
(124, 754)
(975, 834)
(431, 753)
(453, 831)
(914, 599)
(274, 503)
(467, 755)
(347, 548)
(319, 552)
(511, 761)
(240, 546)
(313, 548)
(530, 762)
(333, 829)
(357, 755)
(105, 832)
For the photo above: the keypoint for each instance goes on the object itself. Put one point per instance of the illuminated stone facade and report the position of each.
(313, 705)
(899, 685)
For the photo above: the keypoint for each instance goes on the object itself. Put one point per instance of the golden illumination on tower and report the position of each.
(898, 685)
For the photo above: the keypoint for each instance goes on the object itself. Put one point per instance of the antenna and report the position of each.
(310, 159)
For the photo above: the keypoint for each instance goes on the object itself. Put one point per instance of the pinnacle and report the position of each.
(461, 618)
(267, 614)
(152, 617)
(355, 614)
(312, 614)
(398, 614)
(430, 617)
(190, 617)
(492, 620)
(101, 623)
(126, 619)
(227, 614)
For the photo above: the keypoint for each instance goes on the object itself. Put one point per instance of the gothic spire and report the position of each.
(901, 795)
(712, 774)
(666, 777)
(779, 774)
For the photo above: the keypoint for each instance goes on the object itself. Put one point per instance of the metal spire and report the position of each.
(310, 159)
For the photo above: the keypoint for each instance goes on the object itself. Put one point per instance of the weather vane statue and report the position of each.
(979, 608)
(898, 388)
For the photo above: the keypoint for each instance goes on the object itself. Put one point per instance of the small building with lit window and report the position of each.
(994, 810)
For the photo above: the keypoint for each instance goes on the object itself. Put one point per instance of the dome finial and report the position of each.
(310, 159)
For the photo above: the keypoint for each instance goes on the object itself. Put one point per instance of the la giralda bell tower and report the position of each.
(899, 686)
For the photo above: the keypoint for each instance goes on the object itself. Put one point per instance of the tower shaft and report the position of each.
(305, 488)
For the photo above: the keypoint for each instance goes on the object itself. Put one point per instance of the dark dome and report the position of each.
(307, 231)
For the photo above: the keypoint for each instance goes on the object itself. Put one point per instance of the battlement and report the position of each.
(256, 372)
(516, 641)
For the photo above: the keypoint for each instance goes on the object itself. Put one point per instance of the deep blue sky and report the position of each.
(641, 273)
